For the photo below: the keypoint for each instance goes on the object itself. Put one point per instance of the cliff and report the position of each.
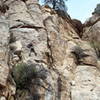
(46, 56)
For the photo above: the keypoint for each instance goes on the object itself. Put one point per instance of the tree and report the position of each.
(97, 9)
(57, 4)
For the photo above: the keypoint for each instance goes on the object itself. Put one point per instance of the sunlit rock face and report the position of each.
(42, 56)
(92, 30)
(94, 18)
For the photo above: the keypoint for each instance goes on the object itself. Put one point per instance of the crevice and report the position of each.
(70, 95)
(82, 63)
(40, 61)
(49, 54)
(78, 52)
(59, 84)
(12, 38)
(27, 26)
(32, 50)
(31, 15)
(24, 0)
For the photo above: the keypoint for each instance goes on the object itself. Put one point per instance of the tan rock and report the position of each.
(89, 61)
(16, 47)
(98, 65)
(47, 42)
(4, 72)
(86, 83)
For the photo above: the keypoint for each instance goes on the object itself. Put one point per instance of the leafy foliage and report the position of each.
(23, 74)
(97, 9)
(57, 4)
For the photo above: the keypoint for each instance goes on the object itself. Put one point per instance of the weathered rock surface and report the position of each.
(92, 32)
(78, 26)
(4, 70)
(45, 55)
(86, 83)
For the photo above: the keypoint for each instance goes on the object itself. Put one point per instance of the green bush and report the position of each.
(23, 74)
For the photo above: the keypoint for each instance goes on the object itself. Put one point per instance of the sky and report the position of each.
(81, 9)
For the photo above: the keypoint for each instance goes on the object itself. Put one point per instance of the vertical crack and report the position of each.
(59, 83)
(50, 56)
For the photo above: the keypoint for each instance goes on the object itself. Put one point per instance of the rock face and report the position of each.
(42, 56)
(78, 26)
(4, 70)
(92, 30)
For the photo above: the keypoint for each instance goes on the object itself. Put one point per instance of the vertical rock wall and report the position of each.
(42, 57)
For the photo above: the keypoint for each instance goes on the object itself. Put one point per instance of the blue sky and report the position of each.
(81, 9)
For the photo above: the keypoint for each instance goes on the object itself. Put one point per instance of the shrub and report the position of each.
(23, 74)
(57, 4)
(97, 9)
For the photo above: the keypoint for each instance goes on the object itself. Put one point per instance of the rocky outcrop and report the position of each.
(95, 17)
(4, 70)
(44, 56)
(78, 26)
(91, 31)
